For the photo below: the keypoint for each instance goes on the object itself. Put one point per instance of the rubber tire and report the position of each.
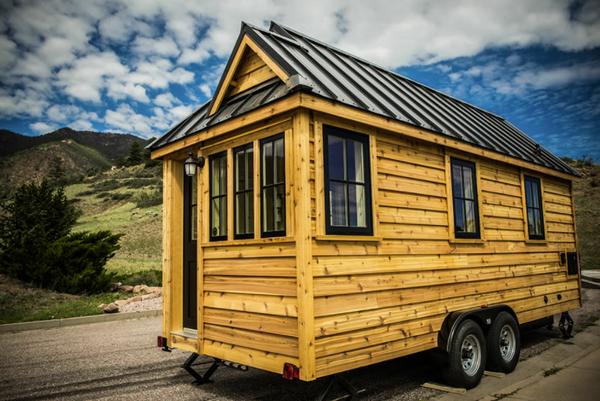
(454, 375)
(495, 362)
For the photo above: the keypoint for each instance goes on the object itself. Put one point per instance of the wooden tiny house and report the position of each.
(343, 213)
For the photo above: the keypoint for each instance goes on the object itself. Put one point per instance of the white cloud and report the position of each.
(166, 100)
(155, 46)
(81, 125)
(55, 48)
(85, 79)
(553, 77)
(42, 128)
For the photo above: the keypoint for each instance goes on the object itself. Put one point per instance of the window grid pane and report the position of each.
(533, 200)
(273, 186)
(464, 193)
(347, 170)
(244, 204)
(218, 198)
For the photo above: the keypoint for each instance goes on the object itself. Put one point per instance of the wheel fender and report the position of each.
(483, 316)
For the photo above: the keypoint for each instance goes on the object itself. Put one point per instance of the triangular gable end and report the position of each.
(248, 66)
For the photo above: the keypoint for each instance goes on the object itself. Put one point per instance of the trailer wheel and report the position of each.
(467, 356)
(503, 343)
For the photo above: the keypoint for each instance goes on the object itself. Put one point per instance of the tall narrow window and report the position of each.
(535, 214)
(272, 165)
(244, 204)
(218, 197)
(347, 184)
(464, 194)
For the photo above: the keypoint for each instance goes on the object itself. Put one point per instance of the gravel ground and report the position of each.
(148, 304)
(119, 361)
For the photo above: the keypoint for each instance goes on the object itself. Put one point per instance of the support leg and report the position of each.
(352, 393)
(200, 379)
(566, 325)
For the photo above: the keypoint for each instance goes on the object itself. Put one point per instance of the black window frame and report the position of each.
(471, 165)
(275, 233)
(236, 192)
(211, 197)
(537, 181)
(365, 140)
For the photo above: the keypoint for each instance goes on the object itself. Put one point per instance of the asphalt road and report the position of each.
(119, 361)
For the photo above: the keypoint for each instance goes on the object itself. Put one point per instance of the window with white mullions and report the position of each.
(272, 188)
(464, 195)
(535, 214)
(347, 181)
(244, 191)
(218, 197)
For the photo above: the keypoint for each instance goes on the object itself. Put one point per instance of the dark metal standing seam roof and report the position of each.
(331, 73)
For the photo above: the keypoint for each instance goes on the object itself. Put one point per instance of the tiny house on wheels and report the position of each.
(322, 214)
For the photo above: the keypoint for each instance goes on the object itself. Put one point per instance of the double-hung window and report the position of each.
(218, 197)
(535, 214)
(244, 194)
(347, 182)
(272, 186)
(464, 197)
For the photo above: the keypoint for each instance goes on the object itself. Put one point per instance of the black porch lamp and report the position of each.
(191, 163)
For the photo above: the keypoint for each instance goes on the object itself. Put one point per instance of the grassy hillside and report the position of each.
(587, 207)
(76, 160)
(127, 201)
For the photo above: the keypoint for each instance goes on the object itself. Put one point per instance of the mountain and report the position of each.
(75, 160)
(111, 145)
(76, 153)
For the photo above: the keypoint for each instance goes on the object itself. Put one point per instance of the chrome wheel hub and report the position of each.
(508, 343)
(471, 355)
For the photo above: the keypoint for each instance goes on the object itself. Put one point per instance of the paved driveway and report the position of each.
(119, 360)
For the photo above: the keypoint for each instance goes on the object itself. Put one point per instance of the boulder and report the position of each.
(139, 288)
(157, 290)
(121, 302)
(126, 288)
(111, 308)
(137, 298)
(150, 296)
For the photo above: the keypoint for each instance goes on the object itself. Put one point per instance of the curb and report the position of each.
(75, 321)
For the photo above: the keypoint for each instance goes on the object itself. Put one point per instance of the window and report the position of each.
(272, 187)
(347, 182)
(243, 186)
(535, 215)
(193, 208)
(464, 194)
(218, 197)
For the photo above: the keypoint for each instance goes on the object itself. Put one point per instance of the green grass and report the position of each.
(141, 243)
(587, 208)
(36, 304)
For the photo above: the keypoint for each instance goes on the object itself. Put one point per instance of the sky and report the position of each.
(141, 66)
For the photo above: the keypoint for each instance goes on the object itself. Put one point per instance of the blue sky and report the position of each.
(140, 66)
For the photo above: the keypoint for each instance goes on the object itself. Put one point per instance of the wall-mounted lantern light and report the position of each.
(191, 163)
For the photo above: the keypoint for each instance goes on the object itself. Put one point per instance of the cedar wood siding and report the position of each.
(376, 301)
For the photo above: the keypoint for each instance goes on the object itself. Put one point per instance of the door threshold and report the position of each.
(187, 333)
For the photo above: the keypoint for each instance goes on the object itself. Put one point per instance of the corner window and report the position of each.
(535, 214)
(464, 196)
(347, 182)
(272, 186)
(244, 193)
(218, 197)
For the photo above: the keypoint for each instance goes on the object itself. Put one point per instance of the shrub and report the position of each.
(148, 199)
(152, 278)
(37, 246)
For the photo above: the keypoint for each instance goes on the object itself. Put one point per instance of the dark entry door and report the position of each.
(190, 231)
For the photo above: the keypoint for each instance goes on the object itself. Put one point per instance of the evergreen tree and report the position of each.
(136, 155)
(37, 246)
